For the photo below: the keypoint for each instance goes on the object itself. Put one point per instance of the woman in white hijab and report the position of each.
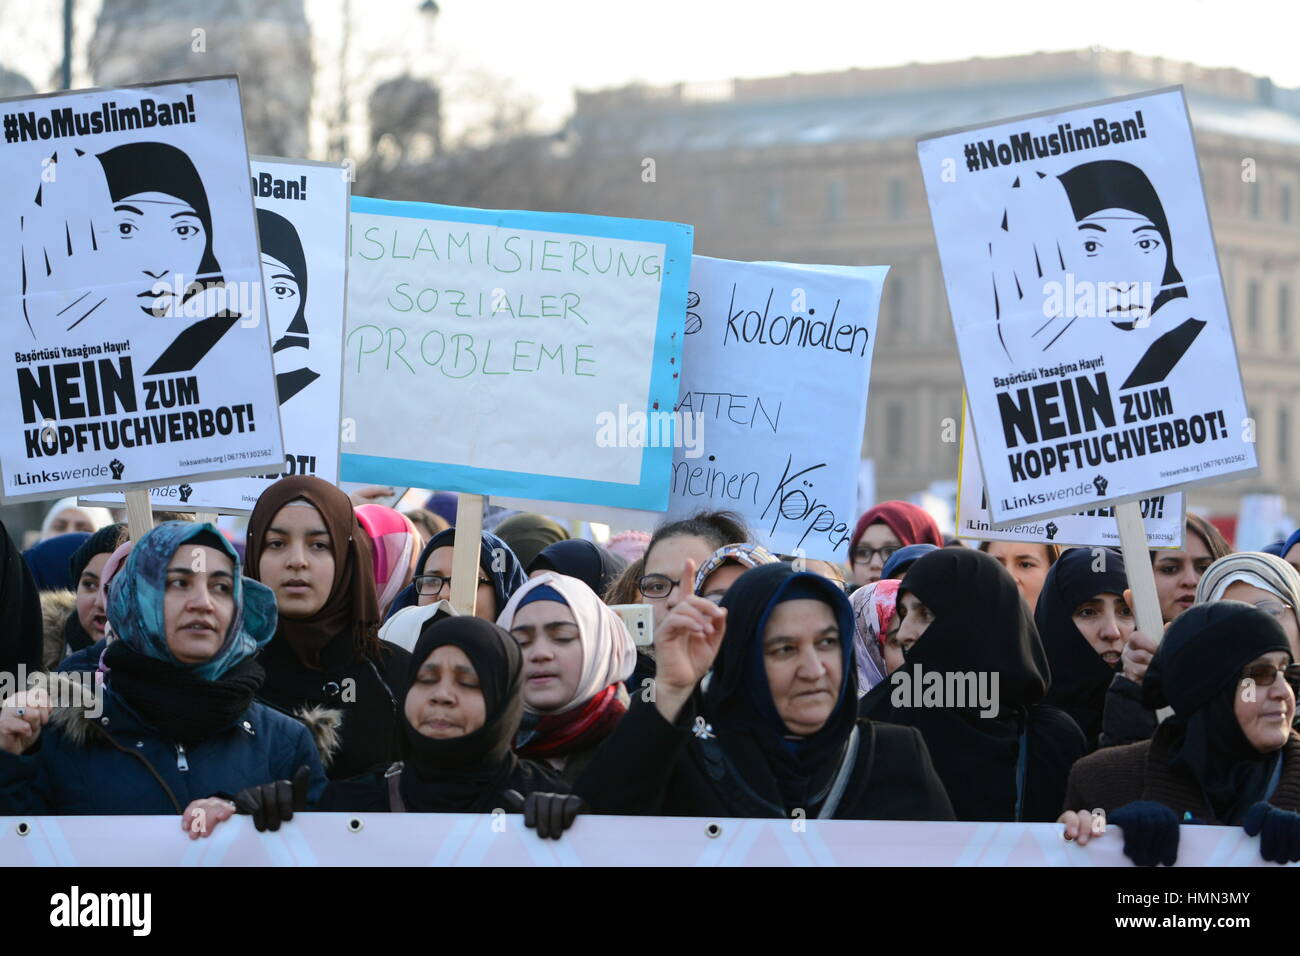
(1259, 579)
(577, 653)
(66, 516)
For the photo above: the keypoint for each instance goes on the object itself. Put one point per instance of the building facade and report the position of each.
(823, 168)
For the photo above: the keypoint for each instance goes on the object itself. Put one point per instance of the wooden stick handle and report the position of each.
(464, 561)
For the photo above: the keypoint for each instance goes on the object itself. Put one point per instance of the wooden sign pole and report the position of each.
(467, 543)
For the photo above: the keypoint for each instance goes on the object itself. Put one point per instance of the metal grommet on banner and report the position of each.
(713, 831)
(23, 828)
(355, 825)
(331, 689)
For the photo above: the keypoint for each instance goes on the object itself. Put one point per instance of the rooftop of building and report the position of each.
(913, 100)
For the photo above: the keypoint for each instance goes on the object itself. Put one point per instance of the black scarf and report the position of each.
(785, 771)
(465, 774)
(1197, 671)
(1079, 676)
(185, 708)
(981, 624)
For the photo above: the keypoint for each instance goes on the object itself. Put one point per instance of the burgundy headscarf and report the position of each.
(352, 601)
(912, 525)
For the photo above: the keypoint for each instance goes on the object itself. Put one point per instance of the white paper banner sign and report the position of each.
(456, 839)
(485, 347)
(1088, 306)
(302, 218)
(773, 396)
(131, 284)
(1162, 515)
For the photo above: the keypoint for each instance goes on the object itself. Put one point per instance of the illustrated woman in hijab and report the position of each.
(162, 228)
(1121, 247)
(775, 733)
(284, 271)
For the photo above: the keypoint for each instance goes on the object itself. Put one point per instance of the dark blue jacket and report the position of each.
(75, 770)
(86, 659)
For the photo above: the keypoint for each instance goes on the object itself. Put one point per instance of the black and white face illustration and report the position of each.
(283, 295)
(284, 272)
(160, 237)
(1122, 246)
(162, 226)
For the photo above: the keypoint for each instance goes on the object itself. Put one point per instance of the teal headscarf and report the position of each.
(135, 600)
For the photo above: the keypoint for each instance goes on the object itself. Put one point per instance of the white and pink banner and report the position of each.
(382, 839)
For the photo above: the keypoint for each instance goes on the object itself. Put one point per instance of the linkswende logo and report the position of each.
(659, 429)
(960, 690)
(75, 908)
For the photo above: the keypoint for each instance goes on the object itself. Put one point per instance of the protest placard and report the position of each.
(1162, 515)
(302, 215)
(133, 292)
(485, 349)
(1088, 306)
(772, 403)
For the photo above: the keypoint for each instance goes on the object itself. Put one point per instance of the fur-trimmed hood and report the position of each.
(326, 726)
(77, 723)
(55, 608)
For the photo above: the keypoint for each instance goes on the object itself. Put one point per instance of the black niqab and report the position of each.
(1079, 676)
(981, 625)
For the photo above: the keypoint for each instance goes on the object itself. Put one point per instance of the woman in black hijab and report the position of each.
(578, 558)
(461, 707)
(1003, 755)
(1227, 756)
(776, 732)
(1084, 624)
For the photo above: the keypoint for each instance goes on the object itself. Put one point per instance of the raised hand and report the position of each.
(68, 270)
(686, 643)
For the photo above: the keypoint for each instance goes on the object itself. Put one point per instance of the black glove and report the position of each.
(1150, 832)
(1278, 831)
(272, 803)
(550, 814)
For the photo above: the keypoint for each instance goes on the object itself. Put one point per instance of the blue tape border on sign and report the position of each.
(651, 491)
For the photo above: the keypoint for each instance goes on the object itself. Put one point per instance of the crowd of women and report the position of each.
(318, 665)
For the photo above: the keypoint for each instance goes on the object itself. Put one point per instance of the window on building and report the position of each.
(1284, 202)
(1252, 311)
(1284, 317)
(1254, 200)
(897, 304)
(834, 200)
(894, 421)
(896, 199)
(1283, 437)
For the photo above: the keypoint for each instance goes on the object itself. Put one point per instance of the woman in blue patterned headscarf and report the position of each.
(177, 721)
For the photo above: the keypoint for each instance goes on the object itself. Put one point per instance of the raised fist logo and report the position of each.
(1100, 484)
(1051, 530)
(186, 491)
(118, 467)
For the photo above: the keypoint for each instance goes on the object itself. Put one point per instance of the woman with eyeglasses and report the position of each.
(1263, 580)
(884, 529)
(326, 665)
(577, 654)
(1228, 756)
(500, 574)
